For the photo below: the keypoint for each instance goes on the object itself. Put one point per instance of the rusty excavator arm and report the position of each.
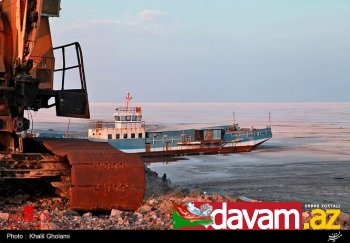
(27, 66)
(92, 175)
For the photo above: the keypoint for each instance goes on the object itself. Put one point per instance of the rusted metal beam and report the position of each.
(31, 166)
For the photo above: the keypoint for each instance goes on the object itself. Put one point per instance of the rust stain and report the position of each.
(102, 177)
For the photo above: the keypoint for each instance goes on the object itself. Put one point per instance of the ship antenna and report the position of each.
(128, 98)
(269, 119)
(234, 118)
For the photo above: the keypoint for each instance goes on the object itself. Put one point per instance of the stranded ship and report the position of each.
(128, 133)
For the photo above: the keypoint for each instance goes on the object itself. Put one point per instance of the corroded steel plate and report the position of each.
(102, 177)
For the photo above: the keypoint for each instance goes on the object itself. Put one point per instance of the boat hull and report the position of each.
(198, 151)
(171, 143)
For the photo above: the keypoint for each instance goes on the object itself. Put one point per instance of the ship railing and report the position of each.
(100, 125)
(251, 133)
(132, 110)
(162, 140)
(111, 125)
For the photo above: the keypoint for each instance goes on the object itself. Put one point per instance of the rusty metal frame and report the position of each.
(80, 64)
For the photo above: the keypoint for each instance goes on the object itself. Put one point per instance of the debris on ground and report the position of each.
(52, 213)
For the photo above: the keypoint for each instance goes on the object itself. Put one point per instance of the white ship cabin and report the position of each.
(127, 124)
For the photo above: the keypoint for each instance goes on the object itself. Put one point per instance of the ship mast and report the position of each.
(128, 98)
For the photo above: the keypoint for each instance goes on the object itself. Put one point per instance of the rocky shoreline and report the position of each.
(52, 213)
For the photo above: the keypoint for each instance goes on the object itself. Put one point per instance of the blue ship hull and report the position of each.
(192, 139)
(221, 139)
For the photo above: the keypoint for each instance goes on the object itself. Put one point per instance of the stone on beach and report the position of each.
(4, 216)
(87, 215)
(49, 226)
(115, 213)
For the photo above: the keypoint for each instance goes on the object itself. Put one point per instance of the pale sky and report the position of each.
(211, 51)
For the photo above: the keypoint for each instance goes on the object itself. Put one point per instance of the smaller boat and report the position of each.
(128, 133)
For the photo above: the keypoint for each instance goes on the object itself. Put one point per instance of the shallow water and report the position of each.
(308, 158)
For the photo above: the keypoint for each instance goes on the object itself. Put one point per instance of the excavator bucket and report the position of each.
(102, 177)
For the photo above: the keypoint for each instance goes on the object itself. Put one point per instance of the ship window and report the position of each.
(109, 136)
(139, 118)
(140, 135)
(128, 118)
(132, 135)
(134, 118)
(93, 134)
(117, 136)
(125, 135)
(117, 118)
(122, 118)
